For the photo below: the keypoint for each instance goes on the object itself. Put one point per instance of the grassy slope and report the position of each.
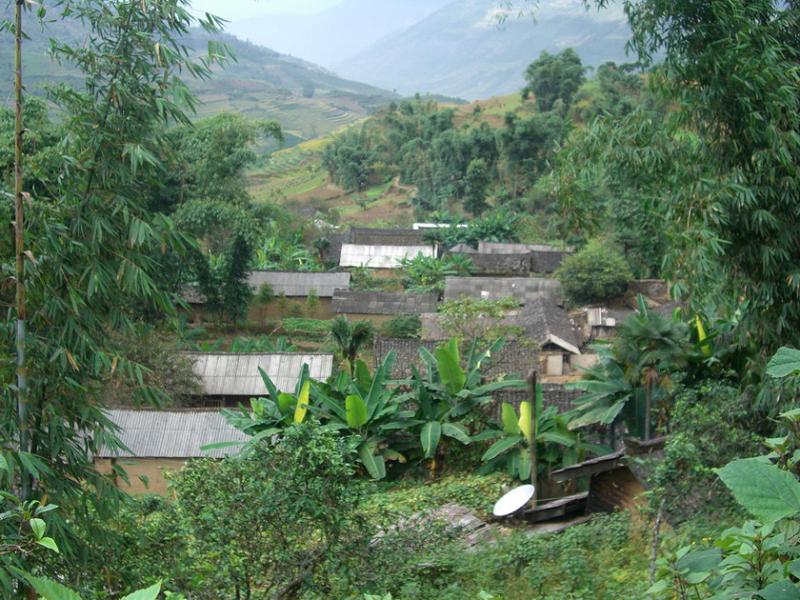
(296, 179)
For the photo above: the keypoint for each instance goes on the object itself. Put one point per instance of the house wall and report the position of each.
(152, 469)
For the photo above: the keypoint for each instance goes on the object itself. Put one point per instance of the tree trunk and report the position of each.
(19, 234)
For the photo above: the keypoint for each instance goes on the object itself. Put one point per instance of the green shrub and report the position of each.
(404, 326)
(709, 427)
(312, 328)
(595, 274)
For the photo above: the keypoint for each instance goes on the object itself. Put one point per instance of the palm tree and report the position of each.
(652, 347)
(350, 338)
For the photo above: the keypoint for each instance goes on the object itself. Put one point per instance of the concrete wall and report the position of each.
(152, 469)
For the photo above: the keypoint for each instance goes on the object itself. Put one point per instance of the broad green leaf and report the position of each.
(509, 417)
(50, 590)
(220, 446)
(526, 420)
(38, 526)
(302, 403)
(700, 561)
(286, 402)
(500, 446)
(272, 389)
(448, 362)
(375, 465)
(556, 437)
(363, 376)
(456, 431)
(764, 490)
(702, 337)
(48, 543)
(429, 437)
(785, 362)
(524, 464)
(780, 590)
(356, 410)
(150, 593)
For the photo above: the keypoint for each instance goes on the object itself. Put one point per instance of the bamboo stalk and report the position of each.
(19, 233)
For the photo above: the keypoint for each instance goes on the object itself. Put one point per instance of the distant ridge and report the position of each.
(463, 50)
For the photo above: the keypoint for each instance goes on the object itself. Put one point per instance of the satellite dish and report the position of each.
(513, 501)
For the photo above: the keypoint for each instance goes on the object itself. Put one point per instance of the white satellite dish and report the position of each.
(513, 501)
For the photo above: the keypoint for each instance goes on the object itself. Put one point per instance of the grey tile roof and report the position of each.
(292, 284)
(500, 264)
(543, 258)
(380, 257)
(366, 236)
(171, 434)
(547, 323)
(503, 248)
(523, 289)
(236, 374)
(382, 303)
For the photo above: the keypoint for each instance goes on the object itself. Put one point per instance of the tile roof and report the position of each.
(236, 374)
(383, 303)
(523, 289)
(293, 284)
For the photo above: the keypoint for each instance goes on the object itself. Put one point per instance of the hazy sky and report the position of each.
(243, 9)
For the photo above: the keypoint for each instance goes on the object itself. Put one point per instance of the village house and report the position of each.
(543, 259)
(522, 289)
(280, 294)
(379, 307)
(383, 249)
(290, 293)
(160, 442)
(232, 378)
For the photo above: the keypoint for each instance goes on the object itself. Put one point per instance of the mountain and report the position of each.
(306, 99)
(333, 35)
(472, 49)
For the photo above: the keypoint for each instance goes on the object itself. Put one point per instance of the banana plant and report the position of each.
(268, 416)
(514, 434)
(367, 406)
(447, 393)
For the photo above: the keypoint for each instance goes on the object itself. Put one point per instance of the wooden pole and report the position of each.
(534, 435)
(19, 234)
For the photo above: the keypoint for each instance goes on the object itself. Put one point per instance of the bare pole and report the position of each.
(534, 435)
(19, 233)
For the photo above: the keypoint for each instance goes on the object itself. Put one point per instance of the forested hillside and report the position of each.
(260, 83)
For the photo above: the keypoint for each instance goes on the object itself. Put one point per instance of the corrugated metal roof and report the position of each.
(172, 434)
(383, 303)
(380, 257)
(292, 284)
(236, 374)
(523, 289)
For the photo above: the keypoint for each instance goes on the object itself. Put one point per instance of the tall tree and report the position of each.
(92, 247)
(553, 77)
